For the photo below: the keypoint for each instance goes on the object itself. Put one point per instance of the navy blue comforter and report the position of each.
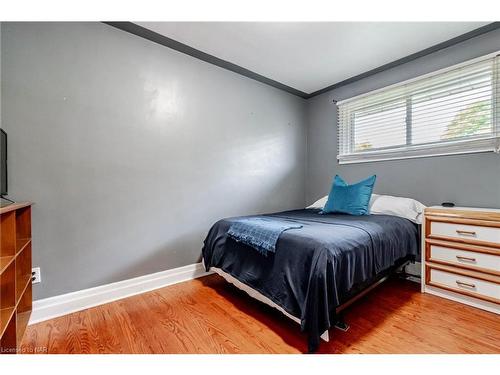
(317, 267)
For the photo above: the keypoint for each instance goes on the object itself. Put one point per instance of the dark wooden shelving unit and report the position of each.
(15, 274)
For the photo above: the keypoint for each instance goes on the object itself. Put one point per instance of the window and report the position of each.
(452, 111)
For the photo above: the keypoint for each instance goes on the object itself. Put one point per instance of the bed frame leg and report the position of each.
(341, 324)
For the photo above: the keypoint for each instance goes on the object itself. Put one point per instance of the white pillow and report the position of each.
(398, 206)
(320, 203)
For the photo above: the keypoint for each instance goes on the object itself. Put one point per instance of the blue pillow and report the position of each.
(350, 199)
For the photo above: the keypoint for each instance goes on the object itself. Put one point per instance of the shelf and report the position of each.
(8, 286)
(8, 340)
(22, 322)
(23, 312)
(5, 316)
(21, 244)
(14, 207)
(20, 289)
(8, 234)
(5, 262)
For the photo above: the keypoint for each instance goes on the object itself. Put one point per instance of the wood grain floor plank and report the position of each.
(208, 315)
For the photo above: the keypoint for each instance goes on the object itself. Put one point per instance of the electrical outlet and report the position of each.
(36, 275)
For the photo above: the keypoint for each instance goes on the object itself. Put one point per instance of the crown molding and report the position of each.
(184, 48)
(435, 48)
(193, 52)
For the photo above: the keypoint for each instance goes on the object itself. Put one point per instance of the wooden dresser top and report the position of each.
(14, 206)
(491, 214)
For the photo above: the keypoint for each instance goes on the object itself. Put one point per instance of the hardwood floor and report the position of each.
(209, 315)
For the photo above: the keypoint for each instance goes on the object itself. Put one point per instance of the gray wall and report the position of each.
(472, 180)
(131, 150)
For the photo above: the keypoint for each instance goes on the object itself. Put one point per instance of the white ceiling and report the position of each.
(309, 56)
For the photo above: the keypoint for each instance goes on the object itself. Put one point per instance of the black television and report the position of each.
(3, 163)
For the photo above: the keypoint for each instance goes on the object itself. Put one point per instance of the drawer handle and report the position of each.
(467, 259)
(466, 232)
(461, 283)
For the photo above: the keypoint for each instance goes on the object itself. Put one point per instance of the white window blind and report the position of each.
(451, 111)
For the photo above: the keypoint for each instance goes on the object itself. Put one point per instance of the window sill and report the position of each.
(456, 148)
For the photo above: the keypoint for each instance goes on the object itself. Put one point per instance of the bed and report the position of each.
(316, 268)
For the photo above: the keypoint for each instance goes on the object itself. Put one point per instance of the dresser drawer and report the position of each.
(465, 233)
(464, 258)
(452, 280)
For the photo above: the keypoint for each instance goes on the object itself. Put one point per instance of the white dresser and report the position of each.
(461, 255)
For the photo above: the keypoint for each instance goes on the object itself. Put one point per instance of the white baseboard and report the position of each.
(53, 307)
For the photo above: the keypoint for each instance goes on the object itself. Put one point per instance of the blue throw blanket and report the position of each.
(260, 233)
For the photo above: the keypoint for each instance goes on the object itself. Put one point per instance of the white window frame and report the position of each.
(489, 143)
